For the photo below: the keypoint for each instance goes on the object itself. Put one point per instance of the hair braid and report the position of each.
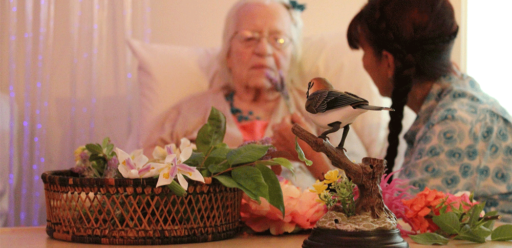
(404, 74)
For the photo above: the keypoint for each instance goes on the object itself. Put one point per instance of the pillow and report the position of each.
(168, 73)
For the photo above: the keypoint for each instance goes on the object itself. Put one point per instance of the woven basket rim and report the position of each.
(69, 178)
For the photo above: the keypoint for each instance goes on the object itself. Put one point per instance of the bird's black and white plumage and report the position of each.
(331, 109)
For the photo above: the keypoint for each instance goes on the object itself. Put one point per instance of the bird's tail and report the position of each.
(370, 107)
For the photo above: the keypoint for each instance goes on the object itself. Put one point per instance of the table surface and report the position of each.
(36, 237)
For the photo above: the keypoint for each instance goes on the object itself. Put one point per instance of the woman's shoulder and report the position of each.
(462, 97)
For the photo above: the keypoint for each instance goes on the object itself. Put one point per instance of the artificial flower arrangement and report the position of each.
(245, 167)
(433, 216)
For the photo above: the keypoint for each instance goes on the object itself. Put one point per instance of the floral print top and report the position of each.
(462, 140)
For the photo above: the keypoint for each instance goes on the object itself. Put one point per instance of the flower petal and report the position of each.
(173, 171)
(184, 142)
(196, 176)
(140, 160)
(121, 155)
(171, 149)
(136, 153)
(164, 178)
(183, 168)
(185, 154)
(159, 153)
(124, 171)
(183, 181)
(144, 170)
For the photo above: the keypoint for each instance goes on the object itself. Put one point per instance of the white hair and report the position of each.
(229, 31)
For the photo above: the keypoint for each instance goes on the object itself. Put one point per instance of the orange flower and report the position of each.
(424, 204)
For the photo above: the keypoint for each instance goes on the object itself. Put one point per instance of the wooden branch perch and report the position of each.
(337, 156)
(366, 176)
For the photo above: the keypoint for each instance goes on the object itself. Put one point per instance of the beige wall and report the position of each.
(199, 22)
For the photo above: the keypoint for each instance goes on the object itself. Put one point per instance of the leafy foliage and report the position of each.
(244, 167)
(465, 225)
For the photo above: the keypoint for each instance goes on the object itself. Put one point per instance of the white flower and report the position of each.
(173, 165)
(134, 165)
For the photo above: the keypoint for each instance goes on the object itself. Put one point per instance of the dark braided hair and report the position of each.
(419, 34)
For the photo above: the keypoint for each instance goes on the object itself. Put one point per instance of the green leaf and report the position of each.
(176, 188)
(502, 233)
(217, 121)
(246, 154)
(205, 173)
(300, 152)
(216, 168)
(429, 239)
(481, 231)
(95, 157)
(276, 161)
(251, 179)
(284, 162)
(110, 147)
(467, 233)
(474, 213)
(265, 162)
(94, 148)
(204, 138)
(275, 194)
(489, 224)
(217, 155)
(443, 209)
(231, 183)
(448, 222)
(212, 132)
(195, 159)
(106, 140)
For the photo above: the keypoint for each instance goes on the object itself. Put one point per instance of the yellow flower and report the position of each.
(332, 176)
(318, 187)
(77, 153)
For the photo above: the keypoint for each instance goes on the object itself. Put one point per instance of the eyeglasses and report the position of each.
(252, 38)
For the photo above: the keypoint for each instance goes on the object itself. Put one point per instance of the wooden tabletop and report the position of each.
(36, 237)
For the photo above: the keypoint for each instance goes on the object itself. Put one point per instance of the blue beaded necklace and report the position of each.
(238, 113)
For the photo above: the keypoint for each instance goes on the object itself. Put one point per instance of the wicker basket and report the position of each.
(134, 212)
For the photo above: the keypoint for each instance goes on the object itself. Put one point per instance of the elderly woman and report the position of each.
(461, 139)
(261, 45)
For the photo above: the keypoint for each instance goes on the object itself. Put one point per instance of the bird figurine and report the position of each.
(331, 109)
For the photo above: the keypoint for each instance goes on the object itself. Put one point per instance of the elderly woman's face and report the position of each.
(261, 45)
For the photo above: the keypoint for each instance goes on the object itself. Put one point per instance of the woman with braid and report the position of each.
(462, 138)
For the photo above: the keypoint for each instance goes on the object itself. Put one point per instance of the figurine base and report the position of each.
(332, 238)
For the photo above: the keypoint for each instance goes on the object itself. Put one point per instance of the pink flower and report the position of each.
(301, 211)
(456, 200)
(392, 194)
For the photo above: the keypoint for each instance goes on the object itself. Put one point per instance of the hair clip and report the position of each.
(295, 5)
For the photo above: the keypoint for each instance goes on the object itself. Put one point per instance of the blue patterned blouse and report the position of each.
(462, 140)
